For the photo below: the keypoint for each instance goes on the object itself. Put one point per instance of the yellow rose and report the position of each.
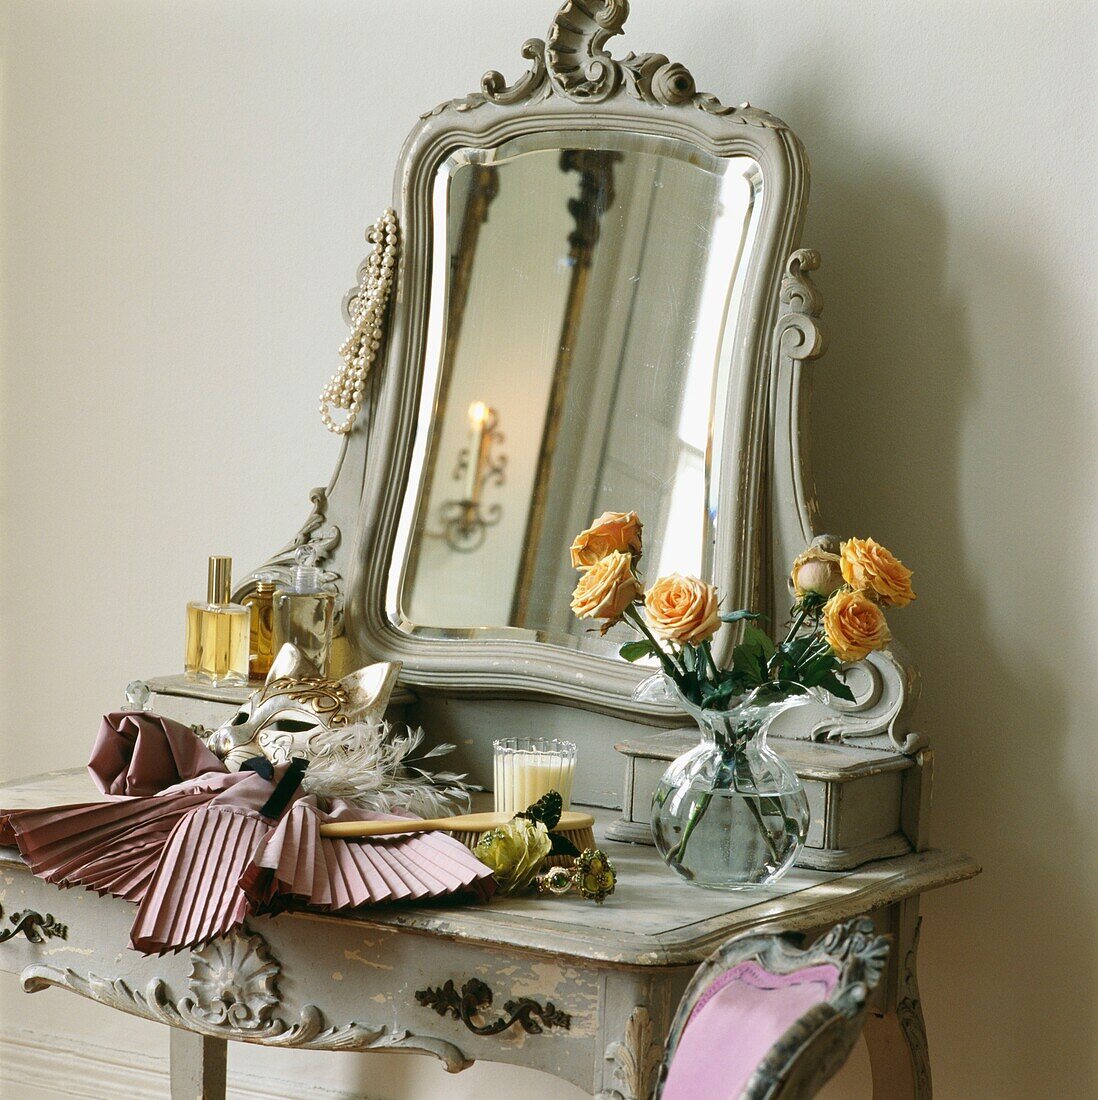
(854, 625)
(606, 589)
(514, 852)
(869, 567)
(816, 570)
(682, 609)
(612, 531)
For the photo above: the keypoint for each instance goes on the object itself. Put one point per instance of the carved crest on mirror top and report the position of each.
(768, 503)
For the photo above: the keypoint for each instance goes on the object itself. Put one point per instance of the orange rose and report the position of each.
(816, 570)
(854, 625)
(612, 531)
(606, 589)
(682, 609)
(869, 567)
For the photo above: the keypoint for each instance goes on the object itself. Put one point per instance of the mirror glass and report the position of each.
(586, 290)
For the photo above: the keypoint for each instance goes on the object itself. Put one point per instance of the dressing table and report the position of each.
(601, 301)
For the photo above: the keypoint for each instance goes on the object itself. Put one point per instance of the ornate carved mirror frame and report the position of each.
(766, 500)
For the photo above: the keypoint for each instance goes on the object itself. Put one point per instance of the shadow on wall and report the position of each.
(966, 458)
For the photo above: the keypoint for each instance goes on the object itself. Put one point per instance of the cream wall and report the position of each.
(183, 192)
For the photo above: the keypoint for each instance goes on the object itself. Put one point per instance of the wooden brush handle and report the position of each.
(460, 823)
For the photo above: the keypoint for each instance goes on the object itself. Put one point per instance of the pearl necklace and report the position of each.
(367, 310)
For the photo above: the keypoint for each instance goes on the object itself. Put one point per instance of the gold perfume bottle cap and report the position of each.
(219, 580)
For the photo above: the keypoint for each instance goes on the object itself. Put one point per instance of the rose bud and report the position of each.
(817, 570)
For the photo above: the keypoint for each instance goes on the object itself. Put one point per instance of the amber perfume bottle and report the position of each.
(304, 611)
(218, 631)
(260, 603)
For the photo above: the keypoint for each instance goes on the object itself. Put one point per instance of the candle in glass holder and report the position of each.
(528, 767)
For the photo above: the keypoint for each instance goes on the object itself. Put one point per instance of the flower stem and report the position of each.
(798, 622)
(708, 651)
(667, 661)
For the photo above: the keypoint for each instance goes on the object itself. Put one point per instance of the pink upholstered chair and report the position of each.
(763, 1019)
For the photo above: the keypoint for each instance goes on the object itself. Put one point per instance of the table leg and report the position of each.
(198, 1066)
(896, 1037)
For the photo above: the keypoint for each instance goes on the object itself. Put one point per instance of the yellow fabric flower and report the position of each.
(682, 609)
(606, 589)
(869, 567)
(612, 532)
(854, 625)
(514, 852)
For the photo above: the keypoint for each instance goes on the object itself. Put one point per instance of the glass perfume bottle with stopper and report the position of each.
(218, 631)
(260, 602)
(304, 611)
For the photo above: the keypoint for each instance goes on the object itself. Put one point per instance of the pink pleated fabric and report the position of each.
(295, 861)
(194, 892)
(189, 843)
(109, 847)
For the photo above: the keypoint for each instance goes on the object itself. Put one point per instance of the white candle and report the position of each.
(525, 770)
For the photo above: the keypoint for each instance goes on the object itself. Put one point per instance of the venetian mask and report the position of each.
(295, 703)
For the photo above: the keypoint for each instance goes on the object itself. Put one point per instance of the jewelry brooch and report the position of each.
(591, 875)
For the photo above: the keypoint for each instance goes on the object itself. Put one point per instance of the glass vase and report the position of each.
(730, 813)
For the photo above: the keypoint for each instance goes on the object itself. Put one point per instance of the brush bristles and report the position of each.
(581, 838)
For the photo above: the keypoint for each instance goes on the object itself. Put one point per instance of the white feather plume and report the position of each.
(370, 766)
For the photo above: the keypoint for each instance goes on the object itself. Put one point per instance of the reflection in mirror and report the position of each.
(584, 315)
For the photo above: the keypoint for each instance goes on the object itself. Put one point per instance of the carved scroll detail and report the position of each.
(909, 1011)
(638, 1058)
(885, 688)
(573, 64)
(800, 334)
(322, 536)
(233, 995)
(530, 87)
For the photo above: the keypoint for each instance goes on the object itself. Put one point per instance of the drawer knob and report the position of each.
(34, 926)
(475, 997)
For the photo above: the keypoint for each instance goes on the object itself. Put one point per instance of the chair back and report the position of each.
(764, 1018)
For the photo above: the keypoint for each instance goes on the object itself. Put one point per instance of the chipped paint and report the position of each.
(356, 956)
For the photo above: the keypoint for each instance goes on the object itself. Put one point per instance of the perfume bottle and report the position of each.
(260, 603)
(218, 631)
(304, 611)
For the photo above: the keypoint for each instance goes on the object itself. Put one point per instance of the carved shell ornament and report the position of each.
(232, 982)
(573, 63)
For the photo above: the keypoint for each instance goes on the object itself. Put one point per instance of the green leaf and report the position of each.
(562, 846)
(748, 661)
(837, 687)
(547, 810)
(753, 635)
(634, 651)
(736, 616)
(689, 657)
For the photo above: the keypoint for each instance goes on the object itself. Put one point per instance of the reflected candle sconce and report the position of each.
(465, 522)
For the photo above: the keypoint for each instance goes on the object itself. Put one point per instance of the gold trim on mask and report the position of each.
(326, 698)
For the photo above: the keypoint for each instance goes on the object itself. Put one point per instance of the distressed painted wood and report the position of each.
(349, 982)
(198, 1066)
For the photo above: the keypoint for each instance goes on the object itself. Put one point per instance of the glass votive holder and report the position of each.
(528, 767)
